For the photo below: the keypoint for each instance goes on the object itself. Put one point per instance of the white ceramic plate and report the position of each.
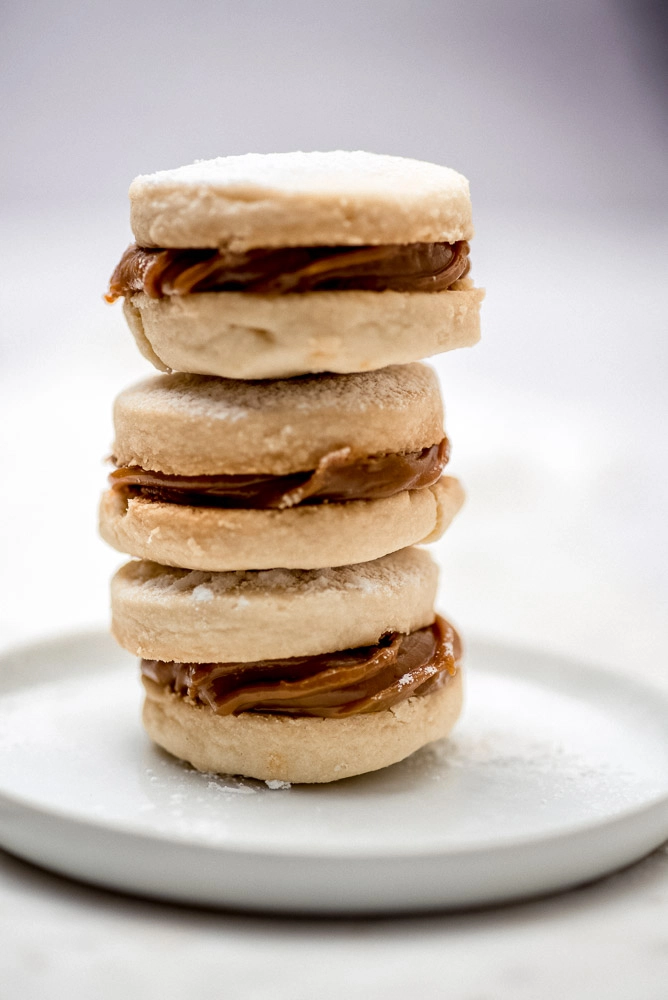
(557, 774)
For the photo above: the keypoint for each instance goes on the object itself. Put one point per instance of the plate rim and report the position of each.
(428, 853)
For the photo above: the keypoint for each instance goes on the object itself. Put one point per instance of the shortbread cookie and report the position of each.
(218, 474)
(291, 675)
(294, 748)
(289, 263)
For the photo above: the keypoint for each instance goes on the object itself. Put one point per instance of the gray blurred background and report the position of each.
(545, 106)
(556, 113)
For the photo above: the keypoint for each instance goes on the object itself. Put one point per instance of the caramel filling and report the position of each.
(337, 478)
(413, 267)
(332, 685)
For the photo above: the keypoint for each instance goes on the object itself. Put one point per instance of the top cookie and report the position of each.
(300, 199)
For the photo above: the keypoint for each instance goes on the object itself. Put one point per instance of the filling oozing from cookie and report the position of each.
(338, 477)
(412, 267)
(349, 682)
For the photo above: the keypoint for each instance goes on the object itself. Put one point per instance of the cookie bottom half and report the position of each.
(305, 537)
(243, 335)
(297, 749)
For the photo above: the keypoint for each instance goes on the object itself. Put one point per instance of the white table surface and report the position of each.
(558, 422)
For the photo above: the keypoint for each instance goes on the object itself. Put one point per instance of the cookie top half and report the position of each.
(165, 613)
(196, 425)
(334, 198)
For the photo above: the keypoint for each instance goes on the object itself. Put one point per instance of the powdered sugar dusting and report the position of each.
(331, 173)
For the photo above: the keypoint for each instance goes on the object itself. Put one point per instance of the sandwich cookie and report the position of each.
(303, 676)
(270, 266)
(323, 470)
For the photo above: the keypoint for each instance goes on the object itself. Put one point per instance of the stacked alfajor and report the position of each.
(273, 485)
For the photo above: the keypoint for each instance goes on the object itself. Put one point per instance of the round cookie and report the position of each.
(334, 198)
(194, 425)
(282, 200)
(252, 336)
(163, 613)
(303, 537)
(189, 425)
(284, 748)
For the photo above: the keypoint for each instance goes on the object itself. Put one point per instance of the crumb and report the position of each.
(202, 593)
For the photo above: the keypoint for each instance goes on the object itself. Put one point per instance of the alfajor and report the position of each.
(304, 676)
(271, 266)
(319, 471)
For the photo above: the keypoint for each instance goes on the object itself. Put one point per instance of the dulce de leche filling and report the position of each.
(350, 682)
(338, 477)
(411, 267)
